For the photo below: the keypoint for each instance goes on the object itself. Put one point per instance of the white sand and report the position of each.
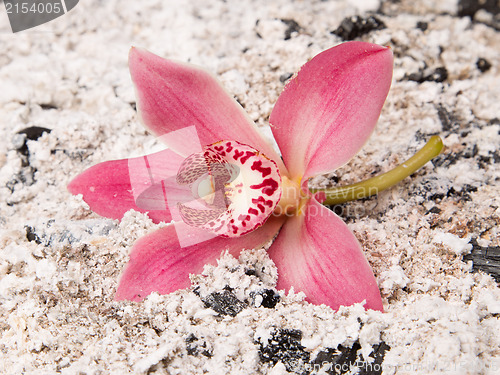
(57, 308)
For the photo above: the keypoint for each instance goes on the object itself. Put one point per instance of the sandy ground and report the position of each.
(59, 262)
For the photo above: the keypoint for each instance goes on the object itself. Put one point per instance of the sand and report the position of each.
(67, 103)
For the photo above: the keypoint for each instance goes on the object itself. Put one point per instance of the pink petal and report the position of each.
(159, 264)
(173, 95)
(317, 254)
(114, 187)
(328, 110)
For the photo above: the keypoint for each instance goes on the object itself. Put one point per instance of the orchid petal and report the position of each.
(328, 110)
(114, 187)
(173, 95)
(159, 264)
(317, 254)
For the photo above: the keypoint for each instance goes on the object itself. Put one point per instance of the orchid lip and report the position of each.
(235, 188)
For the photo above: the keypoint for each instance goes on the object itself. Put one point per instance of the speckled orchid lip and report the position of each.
(235, 188)
(224, 189)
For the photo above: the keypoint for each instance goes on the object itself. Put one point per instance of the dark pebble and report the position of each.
(20, 139)
(284, 346)
(285, 77)
(344, 360)
(470, 7)
(292, 27)
(225, 303)
(422, 25)
(353, 27)
(270, 298)
(483, 65)
(486, 259)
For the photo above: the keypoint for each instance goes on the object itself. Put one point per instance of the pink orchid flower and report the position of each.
(322, 118)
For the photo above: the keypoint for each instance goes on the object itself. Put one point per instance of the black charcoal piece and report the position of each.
(34, 132)
(336, 361)
(434, 210)
(284, 346)
(26, 177)
(486, 259)
(292, 27)
(374, 367)
(48, 106)
(422, 25)
(439, 74)
(353, 27)
(483, 65)
(285, 77)
(344, 360)
(269, 297)
(31, 235)
(470, 7)
(445, 117)
(225, 303)
(19, 140)
(194, 346)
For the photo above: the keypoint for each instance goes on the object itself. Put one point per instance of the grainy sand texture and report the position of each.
(67, 103)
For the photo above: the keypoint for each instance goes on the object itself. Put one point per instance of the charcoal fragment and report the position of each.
(195, 346)
(21, 138)
(434, 210)
(34, 132)
(225, 303)
(439, 74)
(269, 298)
(26, 177)
(486, 259)
(344, 360)
(341, 359)
(470, 7)
(422, 25)
(48, 106)
(353, 27)
(285, 77)
(483, 65)
(292, 27)
(31, 235)
(284, 346)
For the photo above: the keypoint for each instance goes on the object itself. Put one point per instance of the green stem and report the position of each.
(377, 184)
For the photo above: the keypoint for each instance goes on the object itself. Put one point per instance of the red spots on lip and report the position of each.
(253, 211)
(243, 219)
(240, 206)
(237, 154)
(261, 199)
(257, 166)
(268, 186)
(247, 156)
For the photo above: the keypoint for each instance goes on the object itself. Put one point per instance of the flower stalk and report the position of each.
(375, 185)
